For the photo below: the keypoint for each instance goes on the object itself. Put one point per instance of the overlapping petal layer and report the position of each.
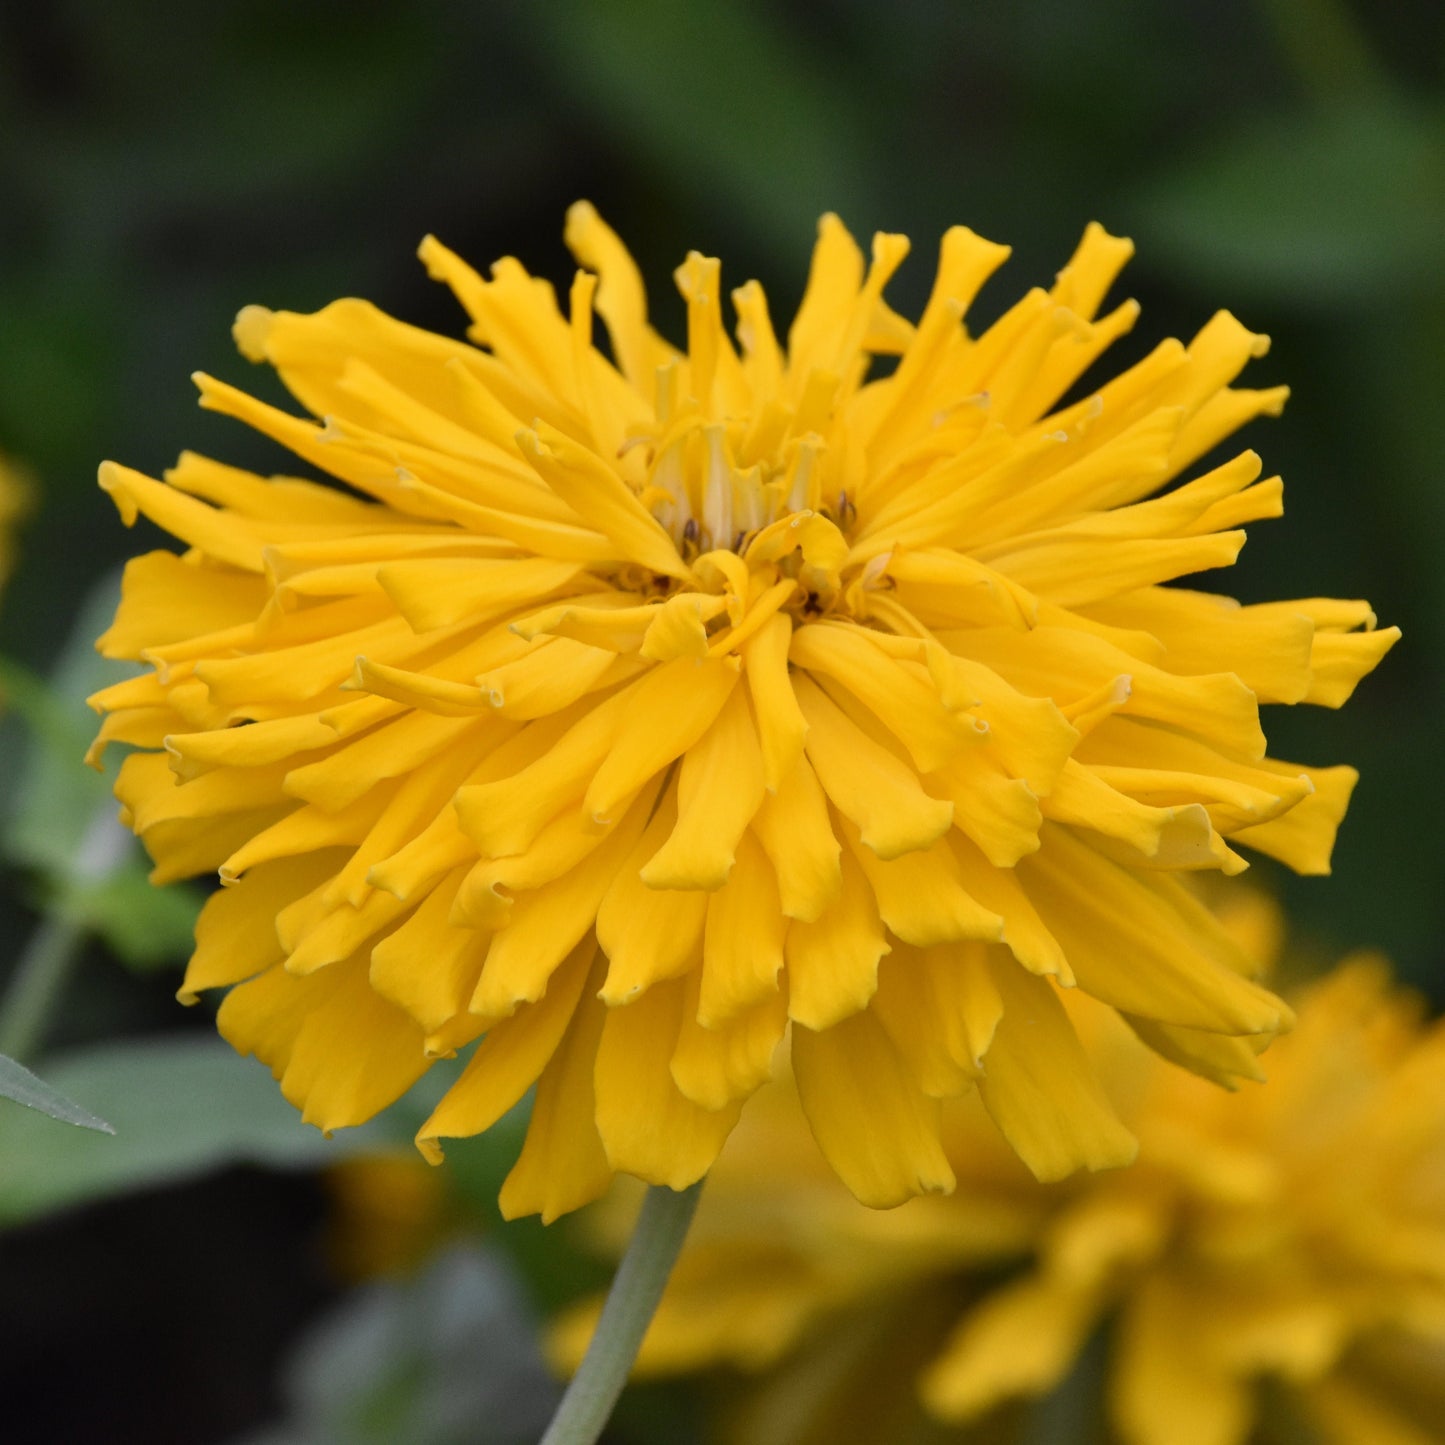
(623, 714)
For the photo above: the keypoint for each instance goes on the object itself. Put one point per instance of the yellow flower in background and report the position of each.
(14, 497)
(389, 1212)
(623, 713)
(1294, 1234)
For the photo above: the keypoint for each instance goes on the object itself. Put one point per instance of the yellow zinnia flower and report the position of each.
(624, 712)
(1293, 1234)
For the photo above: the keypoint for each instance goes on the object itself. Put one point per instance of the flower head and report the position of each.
(1294, 1234)
(620, 713)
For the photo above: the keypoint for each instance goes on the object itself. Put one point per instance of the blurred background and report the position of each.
(163, 164)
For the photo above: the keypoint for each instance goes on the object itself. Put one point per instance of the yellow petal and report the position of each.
(1073, 574)
(509, 1060)
(647, 933)
(715, 1066)
(648, 1127)
(601, 497)
(1030, 736)
(1338, 660)
(1140, 942)
(394, 750)
(947, 589)
(544, 768)
(256, 743)
(206, 528)
(903, 701)
(998, 812)
(965, 262)
(335, 931)
(1021, 1340)
(340, 1051)
(1175, 837)
(866, 782)
(720, 786)
(438, 591)
(165, 598)
(742, 942)
(923, 898)
(834, 277)
(616, 621)
(546, 924)
(276, 499)
(236, 931)
(1098, 259)
(1221, 1057)
(1267, 649)
(966, 1000)
(1066, 664)
(762, 357)
(719, 1307)
(146, 786)
(1000, 890)
(667, 712)
(562, 1165)
(421, 861)
(427, 965)
(1038, 1085)
(269, 682)
(373, 471)
(797, 834)
(1304, 837)
(780, 722)
(490, 887)
(1161, 1389)
(679, 627)
(551, 676)
(833, 960)
(418, 689)
(927, 1028)
(621, 298)
(874, 1125)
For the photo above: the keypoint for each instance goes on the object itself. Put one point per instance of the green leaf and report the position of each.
(723, 81)
(19, 1084)
(181, 1106)
(1329, 209)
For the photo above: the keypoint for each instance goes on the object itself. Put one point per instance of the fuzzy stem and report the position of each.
(39, 979)
(636, 1289)
(35, 987)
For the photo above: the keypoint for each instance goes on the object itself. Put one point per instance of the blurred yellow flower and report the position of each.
(14, 496)
(389, 1212)
(1293, 1233)
(628, 711)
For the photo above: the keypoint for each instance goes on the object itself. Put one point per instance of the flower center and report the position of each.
(712, 491)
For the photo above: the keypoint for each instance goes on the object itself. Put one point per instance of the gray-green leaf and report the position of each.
(1324, 210)
(181, 1106)
(19, 1084)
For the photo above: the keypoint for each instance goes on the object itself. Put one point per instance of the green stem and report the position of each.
(636, 1289)
(38, 979)
(50, 955)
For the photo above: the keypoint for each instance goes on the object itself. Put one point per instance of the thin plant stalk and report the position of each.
(50, 955)
(637, 1288)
